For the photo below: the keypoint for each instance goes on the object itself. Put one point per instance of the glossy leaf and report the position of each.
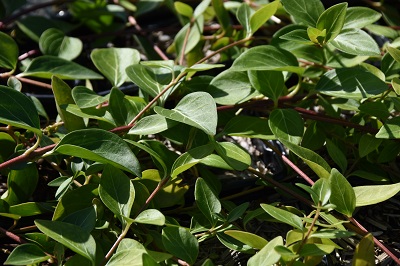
(286, 124)
(190, 158)
(85, 218)
(262, 15)
(46, 66)
(364, 252)
(231, 87)
(233, 243)
(353, 83)
(152, 124)
(197, 109)
(368, 195)
(305, 12)
(63, 96)
(298, 35)
(112, 62)
(367, 145)
(337, 155)
(150, 216)
(312, 159)
(266, 57)
(91, 113)
(343, 195)
(356, 42)
(101, 146)
(395, 53)
(21, 184)
(390, 129)
(247, 238)
(237, 212)
(233, 155)
(396, 85)
(332, 20)
(316, 250)
(8, 52)
(377, 108)
(122, 109)
(332, 233)
(358, 17)
(214, 160)
(54, 42)
(248, 126)
(71, 236)
(267, 255)
(116, 191)
(243, 15)
(26, 254)
(269, 83)
(206, 200)
(86, 98)
(18, 110)
(283, 216)
(323, 191)
(180, 243)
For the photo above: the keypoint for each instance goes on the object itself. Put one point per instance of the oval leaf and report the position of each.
(86, 98)
(180, 243)
(150, 216)
(233, 155)
(112, 62)
(21, 184)
(101, 146)
(332, 20)
(247, 238)
(26, 254)
(269, 83)
(71, 236)
(151, 124)
(390, 130)
(286, 124)
(305, 12)
(358, 17)
(283, 216)
(54, 42)
(8, 52)
(364, 253)
(18, 110)
(368, 195)
(46, 66)
(206, 200)
(197, 109)
(267, 255)
(356, 42)
(342, 195)
(262, 15)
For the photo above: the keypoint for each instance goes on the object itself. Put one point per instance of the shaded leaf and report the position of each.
(71, 236)
(150, 216)
(8, 52)
(18, 110)
(233, 155)
(123, 109)
(195, 32)
(343, 195)
(269, 83)
(336, 154)
(101, 146)
(283, 216)
(356, 42)
(181, 243)
(364, 253)
(390, 129)
(247, 238)
(286, 124)
(46, 66)
(306, 12)
(248, 126)
(237, 212)
(316, 250)
(21, 184)
(267, 255)
(26, 254)
(54, 42)
(197, 109)
(368, 195)
(112, 62)
(206, 200)
(85, 218)
(367, 145)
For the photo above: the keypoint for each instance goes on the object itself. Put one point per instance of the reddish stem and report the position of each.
(12, 236)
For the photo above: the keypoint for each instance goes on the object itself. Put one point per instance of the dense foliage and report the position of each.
(150, 135)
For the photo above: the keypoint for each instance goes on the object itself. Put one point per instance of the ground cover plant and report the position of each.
(226, 132)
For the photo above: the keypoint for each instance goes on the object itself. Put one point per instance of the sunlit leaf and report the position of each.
(358, 17)
(284, 216)
(150, 216)
(364, 252)
(343, 195)
(390, 129)
(26, 254)
(304, 11)
(356, 42)
(332, 20)
(286, 124)
(267, 255)
(152, 124)
(368, 195)
(262, 15)
(54, 42)
(247, 238)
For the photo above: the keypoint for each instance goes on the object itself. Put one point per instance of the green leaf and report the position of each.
(54, 42)
(86, 98)
(151, 124)
(190, 158)
(286, 124)
(85, 218)
(336, 154)
(195, 32)
(233, 243)
(323, 190)
(21, 184)
(367, 145)
(269, 83)
(243, 15)
(8, 52)
(214, 160)
(382, 30)
(356, 42)
(116, 191)
(201, 8)
(233, 155)
(91, 113)
(364, 253)
(247, 238)
(299, 35)
(343, 195)
(39, 107)
(316, 250)
(332, 233)
(396, 85)
(266, 57)
(26, 254)
(222, 14)
(71, 236)
(18, 110)
(100, 146)
(358, 17)
(395, 53)
(378, 109)
(267, 255)
(237, 212)
(197, 109)
(368, 195)
(183, 9)
(305, 12)
(63, 96)
(353, 83)
(284, 216)
(112, 62)
(123, 109)
(312, 159)
(206, 200)
(150, 216)
(262, 15)
(180, 243)
(248, 126)
(46, 66)
(231, 87)
(390, 130)
(332, 20)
